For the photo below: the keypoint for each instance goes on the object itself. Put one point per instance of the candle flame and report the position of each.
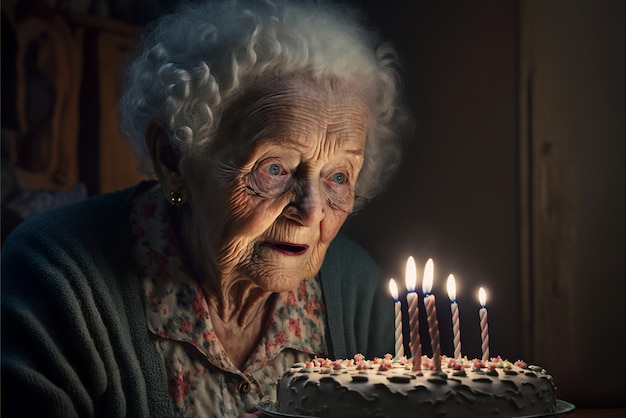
(451, 285)
(411, 274)
(427, 283)
(482, 296)
(393, 288)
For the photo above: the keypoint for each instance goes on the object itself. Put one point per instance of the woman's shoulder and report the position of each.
(346, 254)
(102, 214)
(343, 245)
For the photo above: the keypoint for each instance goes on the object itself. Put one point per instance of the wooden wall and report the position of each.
(572, 143)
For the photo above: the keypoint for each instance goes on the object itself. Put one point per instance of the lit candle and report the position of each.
(431, 312)
(411, 298)
(484, 327)
(454, 307)
(393, 288)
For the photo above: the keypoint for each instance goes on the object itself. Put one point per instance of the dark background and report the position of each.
(456, 198)
(460, 197)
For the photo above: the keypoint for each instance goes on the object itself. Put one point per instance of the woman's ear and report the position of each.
(165, 160)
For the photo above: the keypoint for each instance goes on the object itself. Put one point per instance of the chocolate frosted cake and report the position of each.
(383, 387)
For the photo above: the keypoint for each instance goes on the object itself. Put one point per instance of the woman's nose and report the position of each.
(307, 204)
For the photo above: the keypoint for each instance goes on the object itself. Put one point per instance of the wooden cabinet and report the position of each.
(106, 160)
(61, 141)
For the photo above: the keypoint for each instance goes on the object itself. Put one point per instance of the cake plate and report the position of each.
(562, 409)
(269, 409)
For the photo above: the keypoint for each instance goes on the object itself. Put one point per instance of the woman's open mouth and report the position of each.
(288, 248)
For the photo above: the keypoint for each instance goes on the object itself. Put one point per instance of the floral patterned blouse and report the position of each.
(202, 380)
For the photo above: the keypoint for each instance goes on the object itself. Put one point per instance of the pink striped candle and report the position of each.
(399, 347)
(411, 298)
(454, 307)
(484, 327)
(431, 312)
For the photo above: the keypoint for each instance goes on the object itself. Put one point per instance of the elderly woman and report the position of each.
(266, 125)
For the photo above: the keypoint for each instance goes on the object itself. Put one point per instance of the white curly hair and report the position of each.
(192, 64)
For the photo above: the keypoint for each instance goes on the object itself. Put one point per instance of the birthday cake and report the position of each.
(383, 387)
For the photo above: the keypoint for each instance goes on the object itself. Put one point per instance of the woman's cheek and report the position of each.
(331, 225)
(250, 216)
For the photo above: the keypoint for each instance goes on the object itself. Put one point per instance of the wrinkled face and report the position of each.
(280, 185)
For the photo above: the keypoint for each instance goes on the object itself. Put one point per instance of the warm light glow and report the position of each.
(451, 285)
(482, 297)
(393, 288)
(427, 283)
(411, 274)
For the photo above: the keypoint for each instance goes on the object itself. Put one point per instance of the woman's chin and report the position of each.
(279, 272)
(280, 282)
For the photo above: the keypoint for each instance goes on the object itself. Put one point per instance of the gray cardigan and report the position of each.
(74, 335)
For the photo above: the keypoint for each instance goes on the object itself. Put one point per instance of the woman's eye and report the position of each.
(275, 169)
(338, 178)
(270, 178)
